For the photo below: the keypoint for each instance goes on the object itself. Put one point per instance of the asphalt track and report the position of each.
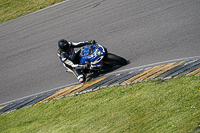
(142, 31)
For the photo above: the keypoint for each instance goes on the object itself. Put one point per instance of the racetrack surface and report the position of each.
(142, 31)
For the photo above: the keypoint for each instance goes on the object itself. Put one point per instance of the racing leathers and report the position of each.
(71, 61)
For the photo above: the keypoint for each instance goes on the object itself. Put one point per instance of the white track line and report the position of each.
(154, 64)
(48, 7)
(38, 93)
(36, 11)
(130, 69)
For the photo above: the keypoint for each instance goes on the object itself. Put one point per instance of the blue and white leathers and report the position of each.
(70, 60)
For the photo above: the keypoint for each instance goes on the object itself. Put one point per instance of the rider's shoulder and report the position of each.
(60, 51)
(74, 43)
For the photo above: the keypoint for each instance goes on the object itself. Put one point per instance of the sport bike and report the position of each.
(97, 57)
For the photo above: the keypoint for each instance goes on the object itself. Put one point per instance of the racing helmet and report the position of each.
(64, 45)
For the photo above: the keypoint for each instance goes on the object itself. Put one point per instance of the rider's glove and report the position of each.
(93, 42)
(77, 66)
(86, 66)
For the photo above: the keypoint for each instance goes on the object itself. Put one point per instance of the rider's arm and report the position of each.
(78, 66)
(68, 63)
(61, 55)
(80, 44)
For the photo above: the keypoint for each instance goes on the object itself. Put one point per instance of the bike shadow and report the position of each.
(92, 76)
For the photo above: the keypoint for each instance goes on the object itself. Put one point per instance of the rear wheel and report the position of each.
(113, 59)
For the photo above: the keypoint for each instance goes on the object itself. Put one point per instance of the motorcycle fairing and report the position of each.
(93, 55)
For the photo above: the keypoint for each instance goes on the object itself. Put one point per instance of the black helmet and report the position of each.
(63, 45)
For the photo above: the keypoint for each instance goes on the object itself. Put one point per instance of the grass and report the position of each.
(151, 106)
(11, 9)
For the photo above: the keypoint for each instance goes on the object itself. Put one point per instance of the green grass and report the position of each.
(151, 106)
(10, 9)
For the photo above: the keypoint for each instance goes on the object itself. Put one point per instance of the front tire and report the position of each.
(113, 59)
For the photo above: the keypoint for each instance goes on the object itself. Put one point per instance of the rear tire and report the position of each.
(113, 59)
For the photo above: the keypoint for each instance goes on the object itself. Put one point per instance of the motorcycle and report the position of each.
(99, 59)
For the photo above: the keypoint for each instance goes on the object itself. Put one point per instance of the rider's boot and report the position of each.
(81, 78)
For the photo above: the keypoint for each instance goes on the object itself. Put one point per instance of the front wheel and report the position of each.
(113, 59)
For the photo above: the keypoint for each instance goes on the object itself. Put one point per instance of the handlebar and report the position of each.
(91, 49)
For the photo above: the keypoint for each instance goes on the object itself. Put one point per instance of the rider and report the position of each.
(70, 58)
